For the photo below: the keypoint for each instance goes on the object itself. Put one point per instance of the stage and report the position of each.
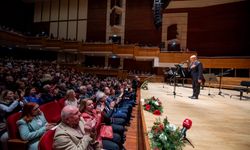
(220, 122)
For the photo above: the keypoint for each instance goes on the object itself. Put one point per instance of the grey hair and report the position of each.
(99, 95)
(66, 112)
(68, 92)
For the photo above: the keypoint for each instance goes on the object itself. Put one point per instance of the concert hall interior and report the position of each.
(124, 66)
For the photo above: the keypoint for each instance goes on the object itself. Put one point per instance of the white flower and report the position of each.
(150, 135)
(171, 127)
(163, 137)
(156, 103)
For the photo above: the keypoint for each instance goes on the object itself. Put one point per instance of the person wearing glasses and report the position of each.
(32, 125)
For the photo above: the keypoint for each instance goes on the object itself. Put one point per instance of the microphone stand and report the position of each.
(221, 75)
(174, 76)
(184, 138)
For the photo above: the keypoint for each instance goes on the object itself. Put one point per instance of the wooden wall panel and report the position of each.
(96, 24)
(175, 57)
(221, 30)
(146, 51)
(225, 63)
(139, 23)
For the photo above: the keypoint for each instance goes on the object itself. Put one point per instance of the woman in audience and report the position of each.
(32, 125)
(94, 119)
(8, 105)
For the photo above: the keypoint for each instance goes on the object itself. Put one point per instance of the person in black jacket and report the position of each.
(195, 69)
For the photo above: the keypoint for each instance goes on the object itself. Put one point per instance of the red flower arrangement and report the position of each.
(165, 136)
(153, 105)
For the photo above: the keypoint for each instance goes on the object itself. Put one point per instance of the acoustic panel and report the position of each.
(46, 11)
(53, 29)
(73, 9)
(82, 28)
(63, 10)
(72, 30)
(54, 10)
(37, 12)
(83, 9)
(63, 30)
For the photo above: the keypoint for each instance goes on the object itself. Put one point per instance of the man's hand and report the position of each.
(193, 66)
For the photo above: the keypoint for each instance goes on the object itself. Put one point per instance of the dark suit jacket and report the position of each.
(196, 72)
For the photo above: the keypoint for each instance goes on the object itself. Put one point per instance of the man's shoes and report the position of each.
(194, 97)
(190, 96)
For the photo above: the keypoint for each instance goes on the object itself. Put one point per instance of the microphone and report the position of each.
(187, 123)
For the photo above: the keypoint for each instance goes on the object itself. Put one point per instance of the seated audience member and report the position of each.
(83, 92)
(107, 111)
(31, 95)
(71, 98)
(70, 134)
(8, 105)
(47, 94)
(94, 118)
(32, 125)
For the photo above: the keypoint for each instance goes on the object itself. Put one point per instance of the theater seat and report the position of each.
(61, 102)
(15, 141)
(52, 111)
(46, 141)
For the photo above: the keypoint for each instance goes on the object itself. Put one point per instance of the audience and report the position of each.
(70, 134)
(44, 82)
(94, 117)
(71, 98)
(8, 105)
(32, 125)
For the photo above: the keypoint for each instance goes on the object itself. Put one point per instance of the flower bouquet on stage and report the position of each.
(153, 105)
(166, 136)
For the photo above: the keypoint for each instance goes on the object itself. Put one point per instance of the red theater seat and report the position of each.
(15, 141)
(46, 141)
(52, 111)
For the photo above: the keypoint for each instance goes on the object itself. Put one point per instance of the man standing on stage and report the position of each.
(195, 69)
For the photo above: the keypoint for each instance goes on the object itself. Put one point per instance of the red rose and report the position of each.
(156, 130)
(157, 112)
(187, 123)
(161, 126)
(147, 107)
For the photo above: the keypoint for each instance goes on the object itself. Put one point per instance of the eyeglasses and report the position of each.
(36, 108)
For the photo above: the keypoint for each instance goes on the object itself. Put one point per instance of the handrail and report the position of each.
(143, 140)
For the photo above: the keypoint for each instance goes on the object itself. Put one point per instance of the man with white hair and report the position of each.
(70, 134)
(196, 70)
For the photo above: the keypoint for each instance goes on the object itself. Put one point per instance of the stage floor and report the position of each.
(219, 122)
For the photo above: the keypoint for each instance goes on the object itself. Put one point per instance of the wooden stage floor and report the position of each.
(219, 122)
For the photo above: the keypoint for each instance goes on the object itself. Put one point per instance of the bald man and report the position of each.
(70, 134)
(196, 70)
